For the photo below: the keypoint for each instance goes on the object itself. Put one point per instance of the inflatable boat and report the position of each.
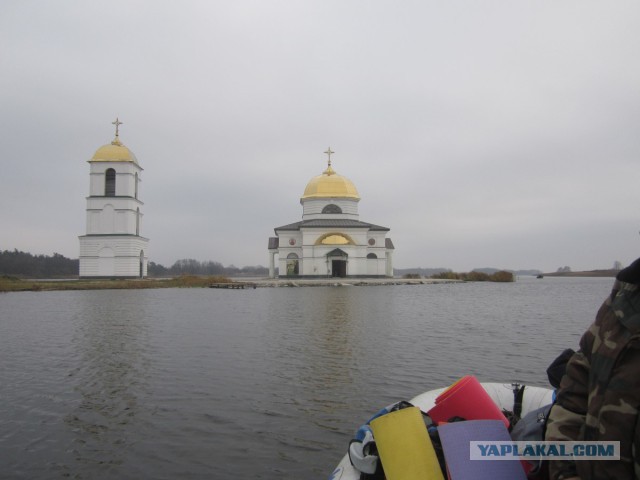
(467, 399)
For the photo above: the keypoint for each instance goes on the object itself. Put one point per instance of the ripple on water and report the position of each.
(265, 383)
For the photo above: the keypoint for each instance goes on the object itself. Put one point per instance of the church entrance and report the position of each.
(339, 268)
(337, 258)
(141, 264)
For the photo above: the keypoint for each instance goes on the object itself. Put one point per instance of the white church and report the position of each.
(331, 241)
(112, 246)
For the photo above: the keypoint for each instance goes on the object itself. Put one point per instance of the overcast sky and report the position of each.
(483, 133)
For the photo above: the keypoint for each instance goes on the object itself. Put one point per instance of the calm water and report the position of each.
(265, 383)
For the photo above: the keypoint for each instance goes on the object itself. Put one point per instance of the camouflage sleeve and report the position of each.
(567, 416)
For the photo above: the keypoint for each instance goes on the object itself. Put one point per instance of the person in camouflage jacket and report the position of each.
(599, 395)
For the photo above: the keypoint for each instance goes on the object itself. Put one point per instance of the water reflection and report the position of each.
(267, 383)
(110, 349)
(330, 327)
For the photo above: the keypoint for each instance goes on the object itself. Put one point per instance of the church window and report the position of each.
(335, 238)
(293, 267)
(372, 256)
(141, 264)
(110, 183)
(332, 208)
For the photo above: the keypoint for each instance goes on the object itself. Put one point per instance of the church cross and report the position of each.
(117, 123)
(329, 152)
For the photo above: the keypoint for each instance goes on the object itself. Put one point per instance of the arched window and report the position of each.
(372, 255)
(141, 263)
(110, 183)
(331, 208)
(293, 267)
(335, 238)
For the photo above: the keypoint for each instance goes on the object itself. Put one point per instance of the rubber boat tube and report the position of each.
(500, 393)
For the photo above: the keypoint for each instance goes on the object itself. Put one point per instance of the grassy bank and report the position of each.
(588, 273)
(14, 284)
(501, 276)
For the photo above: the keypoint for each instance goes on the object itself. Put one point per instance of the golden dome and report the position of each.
(330, 185)
(114, 152)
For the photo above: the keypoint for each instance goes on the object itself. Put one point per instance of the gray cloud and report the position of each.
(482, 133)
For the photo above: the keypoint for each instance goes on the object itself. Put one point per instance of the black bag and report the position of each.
(532, 427)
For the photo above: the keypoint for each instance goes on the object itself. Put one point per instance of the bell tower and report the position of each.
(112, 246)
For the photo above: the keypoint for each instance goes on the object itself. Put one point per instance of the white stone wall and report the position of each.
(389, 263)
(112, 256)
(125, 178)
(356, 263)
(312, 257)
(107, 215)
(310, 236)
(319, 266)
(312, 208)
(286, 248)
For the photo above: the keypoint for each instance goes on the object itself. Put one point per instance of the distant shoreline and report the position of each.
(14, 284)
(588, 273)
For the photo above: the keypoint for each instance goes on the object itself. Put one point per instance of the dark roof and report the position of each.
(274, 242)
(291, 226)
(389, 244)
(331, 223)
